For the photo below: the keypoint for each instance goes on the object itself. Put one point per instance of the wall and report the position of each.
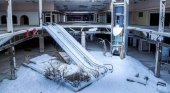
(136, 20)
(33, 17)
(147, 5)
(28, 7)
(145, 20)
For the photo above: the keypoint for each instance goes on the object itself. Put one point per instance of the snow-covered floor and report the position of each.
(29, 81)
(148, 59)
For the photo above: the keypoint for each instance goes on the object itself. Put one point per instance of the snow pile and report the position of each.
(42, 58)
(69, 75)
(29, 81)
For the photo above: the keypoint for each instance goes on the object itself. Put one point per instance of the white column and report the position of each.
(94, 18)
(10, 29)
(162, 16)
(9, 17)
(91, 37)
(158, 60)
(41, 37)
(59, 18)
(51, 17)
(112, 24)
(40, 13)
(140, 45)
(64, 18)
(125, 34)
(83, 39)
(161, 29)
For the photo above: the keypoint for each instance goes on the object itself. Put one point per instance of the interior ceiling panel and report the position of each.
(73, 5)
(76, 5)
(82, 5)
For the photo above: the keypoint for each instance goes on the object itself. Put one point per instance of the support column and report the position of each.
(126, 23)
(149, 48)
(158, 60)
(91, 36)
(64, 19)
(140, 45)
(160, 38)
(112, 24)
(12, 48)
(9, 17)
(59, 18)
(83, 39)
(94, 17)
(134, 42)
(41, 37)
(40, 13)
(41, 43)
(13, 63)
(125, 33)
(105, 17)
(51, 17)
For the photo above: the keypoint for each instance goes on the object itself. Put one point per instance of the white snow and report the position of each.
(93, 29)
(42, 58)
(43, 62)
(29, 81)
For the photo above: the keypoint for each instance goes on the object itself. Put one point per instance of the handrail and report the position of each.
(86, 57)
(3, 40)
(111, 67)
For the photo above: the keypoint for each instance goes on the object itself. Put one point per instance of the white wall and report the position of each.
(33, 17)
(147, 5)
(28, 7)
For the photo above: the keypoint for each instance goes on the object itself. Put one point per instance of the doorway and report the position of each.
(154, 19)
(108, 17)
(24, 20)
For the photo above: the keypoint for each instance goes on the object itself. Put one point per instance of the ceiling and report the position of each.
(73, 5)
(77, 5)
(82, 5)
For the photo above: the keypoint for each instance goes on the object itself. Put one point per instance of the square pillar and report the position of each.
(158, 60)
(41, 43)
(9, 17)
(40, 13)
(160, 38)
(12, 48)
(83, 39)
(13, 63)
